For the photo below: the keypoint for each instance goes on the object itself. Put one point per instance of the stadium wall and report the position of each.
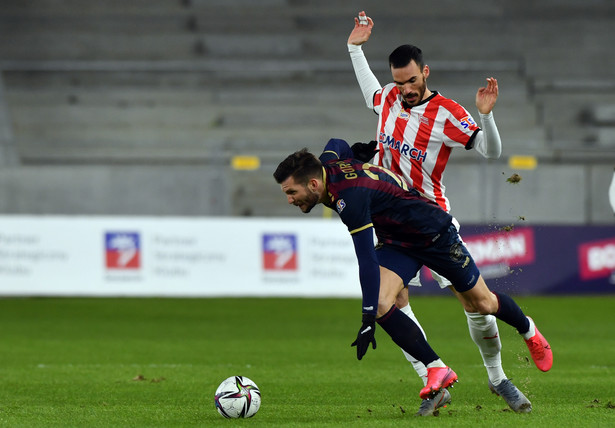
(207, 257)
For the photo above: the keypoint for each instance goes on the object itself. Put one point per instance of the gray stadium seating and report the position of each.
(185, 84)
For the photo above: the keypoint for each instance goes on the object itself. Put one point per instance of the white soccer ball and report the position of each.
(238, 397)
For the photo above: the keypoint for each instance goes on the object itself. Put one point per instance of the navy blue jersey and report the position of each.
(369, 197)
(366, 195)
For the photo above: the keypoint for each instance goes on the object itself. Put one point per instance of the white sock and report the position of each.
(419, 367)
(484, 332)
(532, 331)
(436, 363)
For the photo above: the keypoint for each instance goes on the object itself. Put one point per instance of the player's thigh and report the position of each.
(466, 303)
(390, 286)
(402, 298)
(398, 260)
(397, 269)
(450, 258)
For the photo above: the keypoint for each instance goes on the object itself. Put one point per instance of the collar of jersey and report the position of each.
(324, 183)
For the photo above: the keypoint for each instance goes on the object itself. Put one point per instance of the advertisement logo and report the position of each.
(513, 248)
(495, 253)
(122, 250)
(467, 122)
(597, 259)
(279, 252)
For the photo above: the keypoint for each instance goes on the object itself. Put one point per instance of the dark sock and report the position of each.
(511, 313)
(407, 335)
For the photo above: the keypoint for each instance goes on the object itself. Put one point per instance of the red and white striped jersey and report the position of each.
(416, 142)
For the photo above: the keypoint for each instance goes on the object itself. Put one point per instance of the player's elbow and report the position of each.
(488, 149)
(494, 153)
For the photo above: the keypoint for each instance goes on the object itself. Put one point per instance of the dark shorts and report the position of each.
(447, 256)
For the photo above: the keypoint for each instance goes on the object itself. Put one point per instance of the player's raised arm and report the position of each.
(488, 142)
(367, 80)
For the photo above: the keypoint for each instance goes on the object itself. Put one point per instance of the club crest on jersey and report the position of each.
(340, 205)
(467, 122)
(403, 114)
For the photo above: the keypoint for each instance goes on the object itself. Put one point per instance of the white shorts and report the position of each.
(444, 283)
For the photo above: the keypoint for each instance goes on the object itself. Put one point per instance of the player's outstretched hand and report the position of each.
(363, 25)
(365, 335)
(487, 96)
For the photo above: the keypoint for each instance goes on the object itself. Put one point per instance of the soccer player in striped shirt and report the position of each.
(417, 130)
(412, 231)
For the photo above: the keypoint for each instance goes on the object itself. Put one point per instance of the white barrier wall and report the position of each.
(161, 256)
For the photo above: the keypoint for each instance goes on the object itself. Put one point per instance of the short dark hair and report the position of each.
(402, 56)
(301, 165)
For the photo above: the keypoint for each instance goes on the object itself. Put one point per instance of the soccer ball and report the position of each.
(238, 397)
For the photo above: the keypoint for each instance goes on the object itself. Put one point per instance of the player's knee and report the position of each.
(468, 307)
(384, 307)
(467, 304)
(484, 306)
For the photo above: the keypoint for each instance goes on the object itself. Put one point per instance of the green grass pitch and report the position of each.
(79, 362)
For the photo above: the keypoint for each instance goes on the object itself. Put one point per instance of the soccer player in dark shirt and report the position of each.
(412, 231)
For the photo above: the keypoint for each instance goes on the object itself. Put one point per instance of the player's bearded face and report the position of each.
(416, 93)
(309, 201)
(411, 82)
(300, 195)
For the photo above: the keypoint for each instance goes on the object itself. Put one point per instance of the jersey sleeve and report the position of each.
(381, 96)
(460, 128)
(352, 205)
(336, 149)
(369, 269)
(378, 101)
(353, 209)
